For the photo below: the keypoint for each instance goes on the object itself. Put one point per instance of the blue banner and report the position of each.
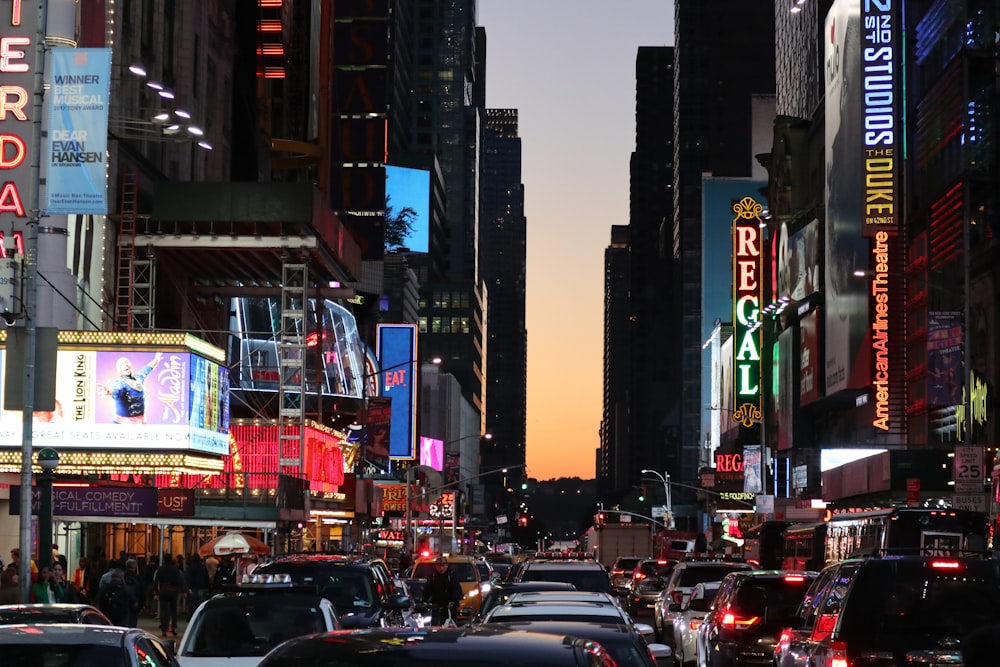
(397, 346)
(77, 145)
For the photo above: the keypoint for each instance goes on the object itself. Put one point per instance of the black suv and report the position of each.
(361, 588)
(748, 615)
(892, 610)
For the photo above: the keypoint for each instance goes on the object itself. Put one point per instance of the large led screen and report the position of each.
(397, 347)
(130, 398)
(409, 189)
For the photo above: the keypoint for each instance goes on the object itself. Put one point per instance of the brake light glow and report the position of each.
(945, 565)
(734, 622)
(838, 655)
(639, 575)
(695, 623)
(794, 578)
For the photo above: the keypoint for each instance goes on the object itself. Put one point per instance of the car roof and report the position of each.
(56, 606)
(561, 608)
(563, 564)
(484, 644)
(67, 633)
(548, 597)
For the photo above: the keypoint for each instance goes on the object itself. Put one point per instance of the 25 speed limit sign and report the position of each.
(969, 472)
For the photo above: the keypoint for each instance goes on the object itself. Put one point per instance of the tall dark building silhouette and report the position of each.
(502, 266)
(617, 346)
(724, 54)
(640, 421)
(445, 111)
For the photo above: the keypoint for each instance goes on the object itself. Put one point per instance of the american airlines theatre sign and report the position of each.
(880, 76)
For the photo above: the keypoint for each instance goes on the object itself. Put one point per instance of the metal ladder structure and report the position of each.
(134, 293)
(291, 366)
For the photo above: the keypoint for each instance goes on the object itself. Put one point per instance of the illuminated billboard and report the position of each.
(397, 353)
(846, 316)
(881, 72)
(432, 453)
(747, 331)
(130, 397)
(407, 188)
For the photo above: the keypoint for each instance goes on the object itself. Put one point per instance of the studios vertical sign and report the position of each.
(747, 287)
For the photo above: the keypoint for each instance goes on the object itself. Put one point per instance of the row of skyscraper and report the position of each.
(859, 138)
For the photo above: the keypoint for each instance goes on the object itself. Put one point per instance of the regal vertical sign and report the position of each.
(17, 72)
(747, 287)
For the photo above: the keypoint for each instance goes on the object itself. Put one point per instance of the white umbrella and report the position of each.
(233, 543)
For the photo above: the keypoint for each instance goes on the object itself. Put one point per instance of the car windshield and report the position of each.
(230, 631)
(655, 569)
(696, 575)
(775, 596)
(36, 615)
(627, 564)
(915, 601)
(58, 655)
(554, 615)
(589, 579)
(345, 587)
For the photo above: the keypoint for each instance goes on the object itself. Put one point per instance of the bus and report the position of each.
(762, 544)
(909, 530)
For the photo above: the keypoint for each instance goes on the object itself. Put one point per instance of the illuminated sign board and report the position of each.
(432, 453)
(17, 84)
(130, 398)
(747, 332)
(397, 353)
(880, 329)
(880, 113)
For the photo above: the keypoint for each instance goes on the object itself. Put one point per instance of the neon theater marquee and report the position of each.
(746, 311)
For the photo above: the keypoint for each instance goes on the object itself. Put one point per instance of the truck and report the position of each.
(612, 540)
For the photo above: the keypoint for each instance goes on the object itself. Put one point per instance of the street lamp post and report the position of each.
(48, 460)
(665, 478)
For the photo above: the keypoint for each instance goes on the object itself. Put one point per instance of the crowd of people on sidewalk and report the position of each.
(123, 588)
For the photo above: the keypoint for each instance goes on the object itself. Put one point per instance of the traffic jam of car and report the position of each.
(885, 606)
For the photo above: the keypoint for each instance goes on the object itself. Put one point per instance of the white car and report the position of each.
(565, 606)
(238, 629)
(688, 620)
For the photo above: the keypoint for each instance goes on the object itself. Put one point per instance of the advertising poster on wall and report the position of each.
(131, 398)
(752, 461)
(846, 318)
(432, 453)
(944, 358)
(809, 358)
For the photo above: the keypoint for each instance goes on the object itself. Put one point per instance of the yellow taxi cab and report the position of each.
(464, 569)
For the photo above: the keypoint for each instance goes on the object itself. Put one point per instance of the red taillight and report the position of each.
(838, 655)
(735, 622)
(946, 565)
(639, 575)
(794, 578)
(617, 571)
(695, 623)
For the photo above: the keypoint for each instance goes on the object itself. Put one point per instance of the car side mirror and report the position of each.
(674, 607)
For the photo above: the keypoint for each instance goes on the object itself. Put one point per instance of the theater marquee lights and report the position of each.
(747, 286)
(880, 72)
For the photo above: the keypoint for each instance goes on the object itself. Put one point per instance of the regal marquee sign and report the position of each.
(747, 331)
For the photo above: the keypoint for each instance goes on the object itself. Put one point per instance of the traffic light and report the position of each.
(599, 520)
(642, 493)
(522, 520)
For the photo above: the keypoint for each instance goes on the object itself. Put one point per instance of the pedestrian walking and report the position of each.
(136, 591)
(114, 599)
(168, 588)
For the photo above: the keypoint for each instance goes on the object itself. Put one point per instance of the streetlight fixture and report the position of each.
(665, 478)
(48, 461)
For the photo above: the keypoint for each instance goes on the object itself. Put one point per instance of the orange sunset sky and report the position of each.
(568, 66)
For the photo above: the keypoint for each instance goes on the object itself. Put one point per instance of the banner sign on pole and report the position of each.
(76, 164)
